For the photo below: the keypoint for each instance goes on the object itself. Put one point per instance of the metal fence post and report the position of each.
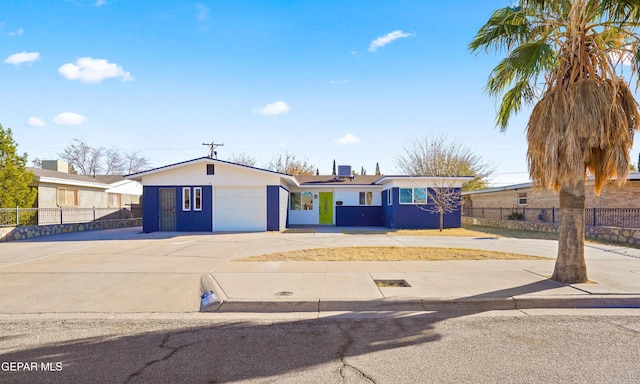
(94, 213)
(17, 216)
(61, 215)
(594, 216)
(500, 213)
(553, 215)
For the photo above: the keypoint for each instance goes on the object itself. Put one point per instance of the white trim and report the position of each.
(413, 196)
(195, 206)
(206, 160)
(184, 200)
(53, 180)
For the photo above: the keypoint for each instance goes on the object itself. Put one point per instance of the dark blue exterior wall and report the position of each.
(195, 221)
(273, 207)
(150, 209)
(368, 216)
(186, 221)
(411, 216)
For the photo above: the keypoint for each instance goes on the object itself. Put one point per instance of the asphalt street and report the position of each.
(512, 347)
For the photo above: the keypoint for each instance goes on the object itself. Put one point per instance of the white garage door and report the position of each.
(240, 209)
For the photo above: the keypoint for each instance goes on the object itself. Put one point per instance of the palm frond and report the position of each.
(505, 28)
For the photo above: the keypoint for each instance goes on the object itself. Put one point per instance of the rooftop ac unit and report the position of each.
(344, 171)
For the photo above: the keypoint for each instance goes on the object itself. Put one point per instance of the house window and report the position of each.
(366, 198)
(301, 201)
(197, 199)
(413, 195)
(522, 198)
(211, 170)
(186, 199)
(114, 200)
(389, 197)
(67, 196)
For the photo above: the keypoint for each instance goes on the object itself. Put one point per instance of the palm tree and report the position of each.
(567, 59)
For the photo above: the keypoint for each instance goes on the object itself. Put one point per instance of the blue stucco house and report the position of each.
(210, 195)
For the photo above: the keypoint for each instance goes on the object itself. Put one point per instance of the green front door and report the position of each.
(326, 207)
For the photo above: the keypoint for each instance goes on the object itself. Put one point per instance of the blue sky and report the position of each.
(353, 81)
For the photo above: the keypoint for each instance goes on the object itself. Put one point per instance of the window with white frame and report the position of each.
(522, 198)
(301, 201)
(389, 196)
(186, 199)
(365, 198)
(413, 195)
(197, 199)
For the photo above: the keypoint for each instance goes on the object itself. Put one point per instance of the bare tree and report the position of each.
(443, 160)
(114, 162)
(445, 198)
(243, 158)
(441, 156)
(135, 163)
(87, 160)
(289, 164)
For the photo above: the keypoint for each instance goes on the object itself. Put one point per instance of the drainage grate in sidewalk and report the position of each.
(283, 293)
(392, 283)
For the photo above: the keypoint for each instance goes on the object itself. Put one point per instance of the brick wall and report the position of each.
(627, 196)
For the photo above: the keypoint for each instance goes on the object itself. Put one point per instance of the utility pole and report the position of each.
(212, 148)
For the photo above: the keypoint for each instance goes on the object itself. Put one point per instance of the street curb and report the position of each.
(427, 304)
(209, 283)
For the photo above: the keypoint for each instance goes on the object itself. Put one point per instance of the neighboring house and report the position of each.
(524, 195)
(212, 195)
(57, 188)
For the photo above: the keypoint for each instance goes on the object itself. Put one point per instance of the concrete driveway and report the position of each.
(126, 271)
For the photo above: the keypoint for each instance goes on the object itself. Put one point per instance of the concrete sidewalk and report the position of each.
(242, 286)
(125, 271)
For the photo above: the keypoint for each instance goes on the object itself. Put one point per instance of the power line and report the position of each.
(212, 148)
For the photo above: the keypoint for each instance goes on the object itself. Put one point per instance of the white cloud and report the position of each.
(100, 3)
(90, 70)
(24, 57)
(202, 12)
(332, 82)
(36, 122)
(386, 39)
(347, 139)
(69, 118)
(18, 32)
(276, 108)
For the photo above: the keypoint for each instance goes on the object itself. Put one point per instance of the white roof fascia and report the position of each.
(340, 186)
(77, 183)
(206, 160)
(386, 179)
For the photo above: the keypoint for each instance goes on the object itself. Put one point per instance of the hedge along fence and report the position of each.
(31, 231)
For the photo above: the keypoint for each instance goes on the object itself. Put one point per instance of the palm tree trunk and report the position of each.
(570, 265)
